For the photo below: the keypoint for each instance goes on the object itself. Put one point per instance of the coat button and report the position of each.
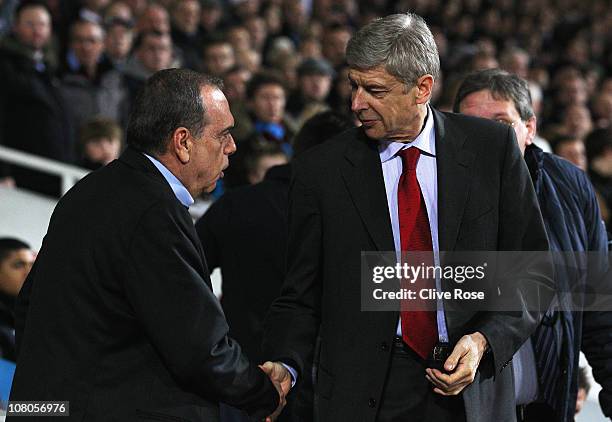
(372, 402)
(384, 347)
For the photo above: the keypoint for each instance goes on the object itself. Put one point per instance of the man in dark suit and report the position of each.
(409, 179)
(118, 316)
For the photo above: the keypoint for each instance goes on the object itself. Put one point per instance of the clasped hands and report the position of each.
(281, 378)
(461, 365)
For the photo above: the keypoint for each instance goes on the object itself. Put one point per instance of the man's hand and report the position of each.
(461, 365)
(281, 378)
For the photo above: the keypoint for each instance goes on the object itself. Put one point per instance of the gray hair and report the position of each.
(502, 85)
(402, 43)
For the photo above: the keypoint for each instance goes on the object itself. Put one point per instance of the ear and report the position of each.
(424, 87)
(181, 144)
(531, 125)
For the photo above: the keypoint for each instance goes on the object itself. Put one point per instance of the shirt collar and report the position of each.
(426, 141)
(180, 191)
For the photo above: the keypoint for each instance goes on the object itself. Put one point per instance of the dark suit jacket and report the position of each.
(121, 319)
(338, 208)
(244, 233)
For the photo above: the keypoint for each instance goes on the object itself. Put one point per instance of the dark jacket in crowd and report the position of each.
(573, 224)
(33, 114)
(244, 234)
(7, 327)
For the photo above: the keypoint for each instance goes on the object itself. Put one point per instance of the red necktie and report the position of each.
(419, 329)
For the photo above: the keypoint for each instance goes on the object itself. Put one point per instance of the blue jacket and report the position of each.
(573, 224)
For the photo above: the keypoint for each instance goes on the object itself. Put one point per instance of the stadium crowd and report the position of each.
(69, 70)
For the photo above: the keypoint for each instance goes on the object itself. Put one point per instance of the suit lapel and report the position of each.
(362, 173)
(453, 162)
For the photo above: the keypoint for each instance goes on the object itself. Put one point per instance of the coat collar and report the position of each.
(363, 176)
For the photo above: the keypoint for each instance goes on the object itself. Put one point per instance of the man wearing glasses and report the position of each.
(546, 368)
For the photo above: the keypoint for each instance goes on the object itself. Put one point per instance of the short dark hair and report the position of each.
(214, 40)
(143, 35)
(319, 128)
(170, 99)
(99, 127)
(597, 142)
(502, 85)
(559, 140)
(81, 22)
(10, 244)
(21, 6)
(258, 149)
(261, 79)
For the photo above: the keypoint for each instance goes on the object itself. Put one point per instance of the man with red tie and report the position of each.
(409, 179)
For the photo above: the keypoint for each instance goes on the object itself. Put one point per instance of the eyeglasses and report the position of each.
(507, 122)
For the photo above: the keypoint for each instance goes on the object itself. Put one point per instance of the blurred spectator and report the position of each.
(576, 121)
(258, 32)
(335, 39)
(310, 48)
(210, 16)
(272, 14)
(29, 93)
(340, 96)
(295, 20)
(249, 59)
(572, 149)
(238, 37)
(515, 60)
(282, 57)
(584, 386)
(16, 259)
(599, 157)
(571, 88)
(244, 9)
(602, 109)
(92, 89)
(154, 18)
(93, 10)
(314, 83)
(152, 52)
(100, 142)
(482, 60)
(260, 158)
(267, 97)
(235, 82)
(118, 42)
(219, 56)
(137, 6)
(118, 11)
(186, 34)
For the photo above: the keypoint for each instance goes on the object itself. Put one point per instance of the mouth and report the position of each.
(368, 123)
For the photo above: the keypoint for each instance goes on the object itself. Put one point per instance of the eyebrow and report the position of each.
(369, 85)
(226, 130)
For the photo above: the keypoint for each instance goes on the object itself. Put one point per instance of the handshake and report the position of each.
(281, 378)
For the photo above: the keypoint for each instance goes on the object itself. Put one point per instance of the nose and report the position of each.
(358, 103)
(230, 148)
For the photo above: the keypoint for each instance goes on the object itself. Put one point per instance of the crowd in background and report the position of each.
(70, 69)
